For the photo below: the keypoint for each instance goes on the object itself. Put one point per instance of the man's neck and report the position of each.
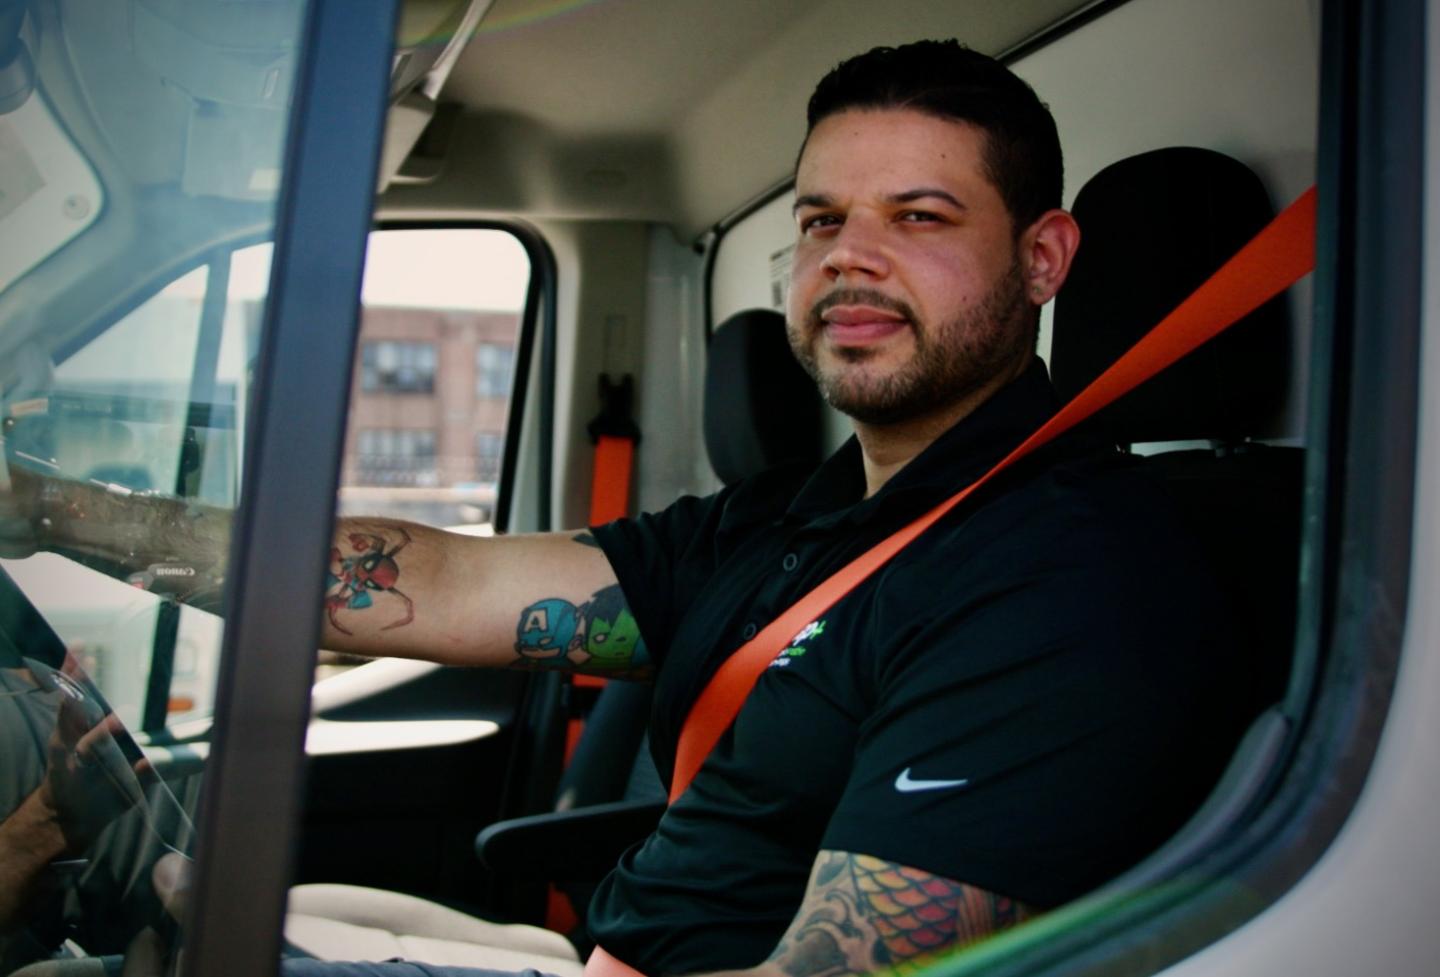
(887, 448)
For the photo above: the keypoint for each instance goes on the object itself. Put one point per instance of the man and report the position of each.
(987, 727)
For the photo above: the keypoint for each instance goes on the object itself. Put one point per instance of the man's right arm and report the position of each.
(391, 588)
(543, 600)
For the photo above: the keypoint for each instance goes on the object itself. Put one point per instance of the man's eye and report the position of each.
(819, 222)
(920, 216)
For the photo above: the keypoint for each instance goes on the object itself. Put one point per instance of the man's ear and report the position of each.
(1046, 249)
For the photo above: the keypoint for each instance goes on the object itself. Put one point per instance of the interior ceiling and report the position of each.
(677, 111)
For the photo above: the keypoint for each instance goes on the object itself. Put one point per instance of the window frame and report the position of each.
(153, 726)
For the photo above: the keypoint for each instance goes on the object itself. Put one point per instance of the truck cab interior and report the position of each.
(437, 259)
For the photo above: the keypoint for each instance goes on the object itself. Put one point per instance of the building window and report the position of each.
(395, 457)
(493, 366)
(387, 366)
(489, 451)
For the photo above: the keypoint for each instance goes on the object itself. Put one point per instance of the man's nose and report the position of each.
(857, 251)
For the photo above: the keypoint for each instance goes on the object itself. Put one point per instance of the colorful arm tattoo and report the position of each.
(352, 581)
(599, 636)
(863, 914)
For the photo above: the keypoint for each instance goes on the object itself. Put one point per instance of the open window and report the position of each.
(443, 309)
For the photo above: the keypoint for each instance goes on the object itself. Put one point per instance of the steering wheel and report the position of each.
(110, 877)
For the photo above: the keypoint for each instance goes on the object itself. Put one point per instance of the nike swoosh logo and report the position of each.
(908, 785)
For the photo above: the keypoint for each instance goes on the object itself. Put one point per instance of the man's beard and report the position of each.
(950, 361)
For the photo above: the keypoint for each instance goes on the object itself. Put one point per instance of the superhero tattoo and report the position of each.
(353, 580)
(600, 635)
(863, 914)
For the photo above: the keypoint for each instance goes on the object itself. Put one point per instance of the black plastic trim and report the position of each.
(540, 293)
(540, 300)
(254, 784)
(579, 845)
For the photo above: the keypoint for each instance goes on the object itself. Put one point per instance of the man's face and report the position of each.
(907, 293)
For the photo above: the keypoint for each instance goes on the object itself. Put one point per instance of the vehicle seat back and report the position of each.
(1154, 227)
(761, 408)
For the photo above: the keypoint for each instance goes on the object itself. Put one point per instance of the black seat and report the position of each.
(761, 409)
(1154, 227)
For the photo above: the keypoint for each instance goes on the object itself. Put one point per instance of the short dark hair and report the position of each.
(949, 80)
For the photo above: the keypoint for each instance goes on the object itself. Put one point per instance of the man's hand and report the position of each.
(89, 782)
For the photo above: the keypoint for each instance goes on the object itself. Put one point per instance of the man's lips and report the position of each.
(858, 325)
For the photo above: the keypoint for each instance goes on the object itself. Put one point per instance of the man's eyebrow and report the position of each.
(921, 193)
(812, 200)
(903, 197)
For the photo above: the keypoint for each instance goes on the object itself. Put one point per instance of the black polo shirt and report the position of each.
(1026, 699)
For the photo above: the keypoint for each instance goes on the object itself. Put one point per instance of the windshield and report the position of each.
(139, 171)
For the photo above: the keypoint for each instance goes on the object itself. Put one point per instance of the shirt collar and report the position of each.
(955, 459)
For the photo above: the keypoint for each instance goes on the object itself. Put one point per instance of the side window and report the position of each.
(434, 374)
(153, 402)
(141, 158)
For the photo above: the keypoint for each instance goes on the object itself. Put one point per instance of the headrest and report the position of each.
(1153, 228)
(761, 408)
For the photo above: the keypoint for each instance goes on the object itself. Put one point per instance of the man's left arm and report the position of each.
(863, 914)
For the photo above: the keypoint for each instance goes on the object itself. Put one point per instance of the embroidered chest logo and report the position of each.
(796, 648)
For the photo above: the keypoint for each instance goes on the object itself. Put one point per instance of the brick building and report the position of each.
(431, 392)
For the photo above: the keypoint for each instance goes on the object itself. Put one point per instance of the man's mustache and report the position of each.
(814, 320)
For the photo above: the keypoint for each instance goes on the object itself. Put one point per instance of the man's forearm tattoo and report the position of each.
(864, 914)
(353, 580)
(599, 635)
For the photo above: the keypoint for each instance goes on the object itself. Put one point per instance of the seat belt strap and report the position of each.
(615, 435)
(610, 484)
(1280, 255)
(614, 462)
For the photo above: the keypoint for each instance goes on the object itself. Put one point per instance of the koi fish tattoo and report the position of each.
(863, 914)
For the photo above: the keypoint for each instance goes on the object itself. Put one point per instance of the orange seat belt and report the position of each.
(1280, 255)
(615, 435)
(614, 432)
(609, 500)
(610, 485)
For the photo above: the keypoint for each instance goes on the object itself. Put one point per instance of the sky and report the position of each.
(454, 268)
